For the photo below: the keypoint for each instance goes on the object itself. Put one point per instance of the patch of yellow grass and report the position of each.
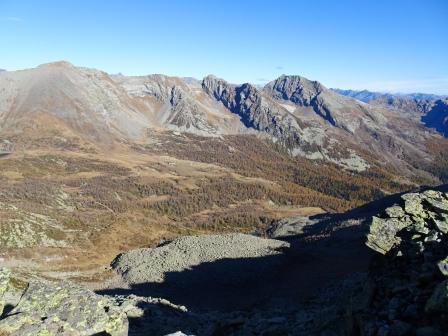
(12, 175)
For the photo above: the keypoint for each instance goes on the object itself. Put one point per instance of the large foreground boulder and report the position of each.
(410, 280)
(62, 308)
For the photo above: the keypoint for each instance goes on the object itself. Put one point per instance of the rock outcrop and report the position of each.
(49, 309)
(410, 280)
(301, 92)
(255, 110)
(179, 106)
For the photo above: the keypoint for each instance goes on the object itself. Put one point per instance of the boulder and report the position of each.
(383, 233)
(63, 309)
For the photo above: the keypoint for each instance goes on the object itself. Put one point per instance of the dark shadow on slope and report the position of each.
(437, 118)
(325, 253)
(225, 284)
(281, 281)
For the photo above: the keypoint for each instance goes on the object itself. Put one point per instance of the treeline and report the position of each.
(243, 217)
(252, 157)
(225, 191)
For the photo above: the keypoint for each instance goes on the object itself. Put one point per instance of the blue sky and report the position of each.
(381, 45)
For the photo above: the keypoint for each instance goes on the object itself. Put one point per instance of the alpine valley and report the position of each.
(176, 174)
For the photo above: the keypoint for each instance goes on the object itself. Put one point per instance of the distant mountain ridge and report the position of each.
(430, 109)
(303, 116)
(367, 96)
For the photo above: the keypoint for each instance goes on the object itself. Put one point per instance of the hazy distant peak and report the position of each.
(368, 96)
(61, 63)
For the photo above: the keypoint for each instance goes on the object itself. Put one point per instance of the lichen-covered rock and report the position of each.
(383, 233)
(441, 205)
(443, 266)
(395, 212)
(63, 309)
(422, 214)
(410, 278)
(442, 224)
(5, 275)
(413, 205)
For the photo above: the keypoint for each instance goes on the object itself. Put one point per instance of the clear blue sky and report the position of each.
(388, 45)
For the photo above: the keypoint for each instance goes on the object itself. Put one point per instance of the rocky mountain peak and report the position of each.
(296, 89)
(217, 88)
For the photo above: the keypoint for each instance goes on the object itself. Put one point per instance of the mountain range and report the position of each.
(302, 116)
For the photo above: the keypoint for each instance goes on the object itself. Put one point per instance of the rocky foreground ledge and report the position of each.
(404, 293)
(45, 308)
(409, 284)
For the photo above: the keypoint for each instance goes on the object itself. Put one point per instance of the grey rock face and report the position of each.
(269, 111)
(255, 110)
(301, 92)
(297, 89)
(63, 309)
(182, 110)
(220, 90)
(339, 111)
